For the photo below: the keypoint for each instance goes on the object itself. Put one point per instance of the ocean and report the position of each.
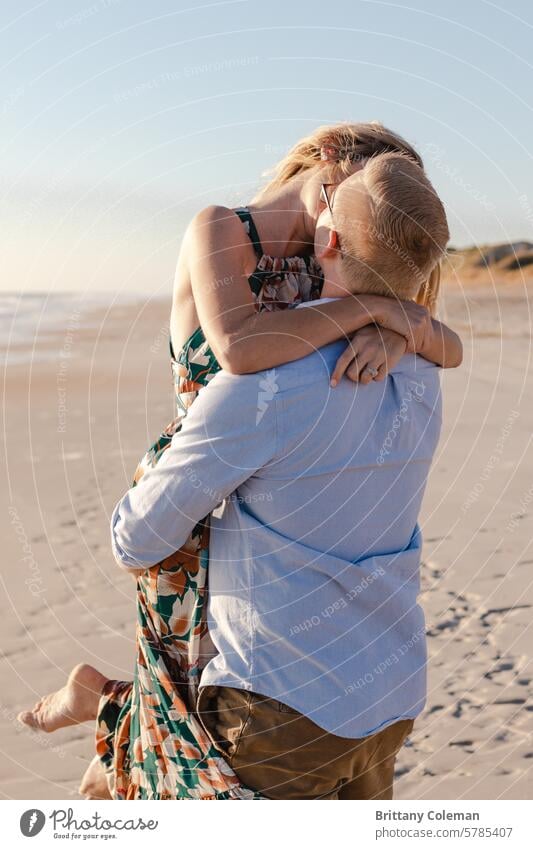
(28, 321)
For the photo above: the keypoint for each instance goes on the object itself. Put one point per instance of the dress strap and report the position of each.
(251, 230)
(256, 280)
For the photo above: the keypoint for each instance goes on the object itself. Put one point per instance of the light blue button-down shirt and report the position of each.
(315, 547)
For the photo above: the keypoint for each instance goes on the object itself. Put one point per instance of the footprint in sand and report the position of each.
(490, 618)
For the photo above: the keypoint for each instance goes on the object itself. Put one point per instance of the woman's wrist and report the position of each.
(394, 337)
(365, 310)
(375, 308)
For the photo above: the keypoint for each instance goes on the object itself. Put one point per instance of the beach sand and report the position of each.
(75, 424)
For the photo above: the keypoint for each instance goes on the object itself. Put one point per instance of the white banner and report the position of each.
(352, 824)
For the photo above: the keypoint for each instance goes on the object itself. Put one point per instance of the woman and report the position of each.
(236, 269)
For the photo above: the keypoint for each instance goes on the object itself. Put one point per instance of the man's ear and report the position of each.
(331, 249)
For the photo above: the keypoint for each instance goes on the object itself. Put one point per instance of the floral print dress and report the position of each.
(148, 735)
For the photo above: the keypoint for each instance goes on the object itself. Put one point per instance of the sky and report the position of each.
(120, 120)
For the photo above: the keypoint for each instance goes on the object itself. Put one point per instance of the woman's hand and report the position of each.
(370, 348)
(410, 320)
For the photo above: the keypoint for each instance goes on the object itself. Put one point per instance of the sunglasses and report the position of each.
(324, 196)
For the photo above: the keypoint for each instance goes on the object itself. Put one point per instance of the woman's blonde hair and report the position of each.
(428, 293)
(343, 145)
(344, 148)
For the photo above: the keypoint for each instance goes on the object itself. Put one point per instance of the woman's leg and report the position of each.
(87, 696)
(94, 782)
(73, 704)
(154, 746)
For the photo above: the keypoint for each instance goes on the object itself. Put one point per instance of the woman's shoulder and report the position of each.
(215, 220)
(217, 232)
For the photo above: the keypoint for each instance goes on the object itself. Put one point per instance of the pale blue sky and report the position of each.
(121, 119)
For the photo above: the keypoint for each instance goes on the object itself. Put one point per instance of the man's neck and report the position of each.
(333, 287)
(333, 290)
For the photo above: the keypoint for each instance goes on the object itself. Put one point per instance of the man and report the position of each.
(315, 547)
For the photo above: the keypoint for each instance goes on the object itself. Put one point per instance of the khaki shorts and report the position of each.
(284, 755)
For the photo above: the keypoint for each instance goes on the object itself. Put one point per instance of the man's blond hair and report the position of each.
(396, 251)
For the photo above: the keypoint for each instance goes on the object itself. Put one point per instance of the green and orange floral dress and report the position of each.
(148, 736)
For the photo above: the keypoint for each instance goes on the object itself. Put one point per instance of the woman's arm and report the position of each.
(220, 259)
(442, 346)
(376, 348)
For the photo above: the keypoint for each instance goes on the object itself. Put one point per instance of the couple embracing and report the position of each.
(272, 530)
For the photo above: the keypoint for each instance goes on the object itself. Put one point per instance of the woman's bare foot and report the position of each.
(76, 702)
(94, 782)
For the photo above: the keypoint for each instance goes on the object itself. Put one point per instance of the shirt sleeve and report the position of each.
(228, 434)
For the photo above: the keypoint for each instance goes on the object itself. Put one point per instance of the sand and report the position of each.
(75, 424)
